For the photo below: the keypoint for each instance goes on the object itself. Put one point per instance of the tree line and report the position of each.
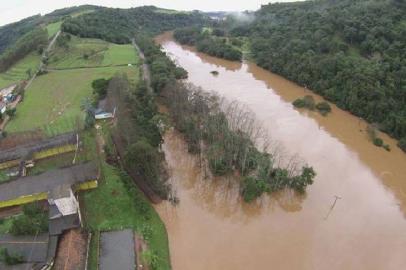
(137, 130)
(213, 44)
(353, 53)
(163, 70)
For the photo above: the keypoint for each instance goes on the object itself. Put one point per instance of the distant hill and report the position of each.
(119, 25)
(352, 52)
(10, 33)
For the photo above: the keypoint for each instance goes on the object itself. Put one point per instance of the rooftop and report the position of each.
(48, 181)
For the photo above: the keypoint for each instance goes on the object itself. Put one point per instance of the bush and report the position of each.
(10, 259)
(309, 102)
(305, 102)
(323, 107)
(150, 258)
(299, 103)
(34, 220)
(253, 188)
(100, 88)
(378, 142)
(387, 147)
(11, 112)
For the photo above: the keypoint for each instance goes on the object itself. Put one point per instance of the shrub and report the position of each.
(33, 221)
(309, 102)
(387, 147)
(150, 258)
(323, 107)
(253, 188)
(299, 103)
(378, 142)
(100, 87)
(10, 259)
(11, 112)
(305, 102)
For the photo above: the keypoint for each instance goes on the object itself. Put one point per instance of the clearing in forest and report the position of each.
(86, 52)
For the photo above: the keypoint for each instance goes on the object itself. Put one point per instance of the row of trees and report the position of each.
(120, 25)
(32, 41)
(227, 137)
(138, 129)
(206, 42)
(163, 70)
(351, 52)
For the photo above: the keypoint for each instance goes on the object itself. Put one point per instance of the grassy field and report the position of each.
(118, 204)
(91, 53)
(18, 71)
(55, 98)
(53, 28)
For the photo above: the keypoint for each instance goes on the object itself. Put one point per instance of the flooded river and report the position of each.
(213, 229)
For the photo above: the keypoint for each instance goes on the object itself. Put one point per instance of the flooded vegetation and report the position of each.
(352, 217)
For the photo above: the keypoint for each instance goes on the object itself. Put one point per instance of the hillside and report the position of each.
(10, 33)
(119, 25)
(351, 52)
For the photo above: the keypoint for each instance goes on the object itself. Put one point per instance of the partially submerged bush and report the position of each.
(323, 107)
(305, 102)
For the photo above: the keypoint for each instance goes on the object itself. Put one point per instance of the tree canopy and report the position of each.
(351, 52)
(120, 25)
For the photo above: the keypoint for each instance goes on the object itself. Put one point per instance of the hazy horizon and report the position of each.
(13, 11)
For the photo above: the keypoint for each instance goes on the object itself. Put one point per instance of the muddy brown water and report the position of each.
(212, 228)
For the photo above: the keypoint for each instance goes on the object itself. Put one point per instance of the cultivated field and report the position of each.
(18, 71)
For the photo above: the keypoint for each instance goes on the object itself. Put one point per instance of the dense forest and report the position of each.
(211, 43)
(351, 52)
(120, 25)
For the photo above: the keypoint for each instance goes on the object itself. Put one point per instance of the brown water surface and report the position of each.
(213, 229)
